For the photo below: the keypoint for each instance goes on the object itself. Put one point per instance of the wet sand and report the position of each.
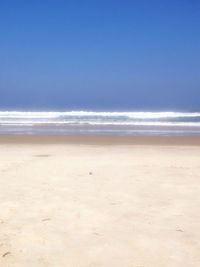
(92, 201)
(100, 140)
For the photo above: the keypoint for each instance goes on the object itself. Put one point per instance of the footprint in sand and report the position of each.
(6, 254)
(46, 219)
(42, 156)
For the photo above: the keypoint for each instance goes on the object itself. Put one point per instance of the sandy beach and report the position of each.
(99, 202)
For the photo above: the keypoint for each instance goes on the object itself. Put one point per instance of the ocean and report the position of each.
(100, 123)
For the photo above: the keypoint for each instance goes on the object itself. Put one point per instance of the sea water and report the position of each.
(166, 123)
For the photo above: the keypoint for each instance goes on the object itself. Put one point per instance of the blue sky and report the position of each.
(100, 54)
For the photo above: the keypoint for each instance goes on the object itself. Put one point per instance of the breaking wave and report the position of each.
(85, 121)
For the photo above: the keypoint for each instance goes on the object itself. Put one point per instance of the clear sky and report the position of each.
(100, 54)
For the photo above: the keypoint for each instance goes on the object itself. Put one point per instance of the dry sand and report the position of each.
(70, 203)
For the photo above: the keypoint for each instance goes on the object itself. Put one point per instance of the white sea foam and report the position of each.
(136, 115)
(87, 120)
(84, 123)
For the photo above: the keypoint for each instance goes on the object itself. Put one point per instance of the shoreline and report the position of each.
(100, 140)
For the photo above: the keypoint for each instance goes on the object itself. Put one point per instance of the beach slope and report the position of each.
(81, 204)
